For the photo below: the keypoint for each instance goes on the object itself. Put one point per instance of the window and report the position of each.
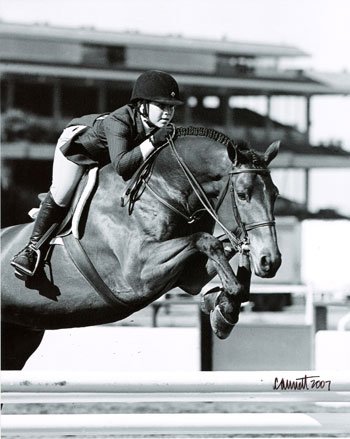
(239, 65)
(106, 56)
(115, 55)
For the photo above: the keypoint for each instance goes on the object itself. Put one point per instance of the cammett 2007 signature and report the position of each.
(306, 382)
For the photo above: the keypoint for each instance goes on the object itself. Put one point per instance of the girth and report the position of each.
(83, 263)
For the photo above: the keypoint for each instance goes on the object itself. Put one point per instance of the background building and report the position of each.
(57, 73)
(50, 75)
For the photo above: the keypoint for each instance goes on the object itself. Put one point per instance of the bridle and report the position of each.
(241, 242)
(245, 228)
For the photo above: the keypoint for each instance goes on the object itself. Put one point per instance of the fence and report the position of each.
(265, 387)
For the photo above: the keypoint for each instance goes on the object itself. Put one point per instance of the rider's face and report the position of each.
(160, 114)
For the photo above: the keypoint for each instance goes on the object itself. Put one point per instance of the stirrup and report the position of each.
(23, 271)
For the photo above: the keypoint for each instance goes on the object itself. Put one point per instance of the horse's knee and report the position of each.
(208, 244)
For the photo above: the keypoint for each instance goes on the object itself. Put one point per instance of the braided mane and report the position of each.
(257, 159)
(204, 132)
(248, 155)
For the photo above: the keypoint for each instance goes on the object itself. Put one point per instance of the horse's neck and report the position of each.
(207, 160)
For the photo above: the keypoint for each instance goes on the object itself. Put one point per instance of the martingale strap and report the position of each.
(83, 263)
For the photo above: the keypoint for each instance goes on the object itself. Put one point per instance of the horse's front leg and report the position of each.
(224, 304)
(200, 270)
(219, 263)
(151, 266)
(223, 308)
(155, 267)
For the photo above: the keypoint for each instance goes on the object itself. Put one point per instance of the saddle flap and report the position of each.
(72, 220)
(81, 200)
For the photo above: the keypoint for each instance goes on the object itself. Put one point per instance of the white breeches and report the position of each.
(65, 174)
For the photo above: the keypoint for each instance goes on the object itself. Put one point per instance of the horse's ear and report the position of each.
(232, 152)
(236, 152)
(271, 152)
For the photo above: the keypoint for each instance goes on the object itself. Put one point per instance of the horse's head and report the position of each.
(253, 195)
(245, 211)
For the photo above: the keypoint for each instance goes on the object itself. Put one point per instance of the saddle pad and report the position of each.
(79, 204)
(79, 208)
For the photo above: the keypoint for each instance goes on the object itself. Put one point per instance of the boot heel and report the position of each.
(21, 276)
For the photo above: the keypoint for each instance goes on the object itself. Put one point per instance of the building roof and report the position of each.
(251, 86)
(336, 81)
(91, 35)
(260, 81)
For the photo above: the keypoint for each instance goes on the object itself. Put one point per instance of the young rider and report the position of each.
(128, 135)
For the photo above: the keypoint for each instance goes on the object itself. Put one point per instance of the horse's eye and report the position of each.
(241, 195)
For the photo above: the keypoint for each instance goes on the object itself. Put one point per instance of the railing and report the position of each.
(265, 387)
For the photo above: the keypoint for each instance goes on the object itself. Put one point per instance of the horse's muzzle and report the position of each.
(268, 265)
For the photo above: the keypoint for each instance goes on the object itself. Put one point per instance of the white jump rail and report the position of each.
(269, 386)
(184, 423)
(309, 386)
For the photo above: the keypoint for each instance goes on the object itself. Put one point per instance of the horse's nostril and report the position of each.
(266, 263)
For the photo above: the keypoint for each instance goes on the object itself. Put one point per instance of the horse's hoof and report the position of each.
(208, 300)
(221, 327)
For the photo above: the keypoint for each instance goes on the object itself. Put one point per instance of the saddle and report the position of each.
(72, 222)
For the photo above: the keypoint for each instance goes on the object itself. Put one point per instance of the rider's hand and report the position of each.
(160, 136)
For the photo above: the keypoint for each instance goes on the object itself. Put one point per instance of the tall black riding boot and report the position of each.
(50, 214)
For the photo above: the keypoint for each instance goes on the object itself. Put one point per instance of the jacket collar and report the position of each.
(141, 132)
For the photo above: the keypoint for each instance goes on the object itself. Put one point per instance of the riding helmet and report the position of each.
(157, 86)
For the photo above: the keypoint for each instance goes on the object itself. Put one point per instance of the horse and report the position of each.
(161, 240)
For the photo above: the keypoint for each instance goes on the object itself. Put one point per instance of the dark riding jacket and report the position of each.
(113, 137)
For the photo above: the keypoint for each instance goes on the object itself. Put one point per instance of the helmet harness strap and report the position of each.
(145, 113)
